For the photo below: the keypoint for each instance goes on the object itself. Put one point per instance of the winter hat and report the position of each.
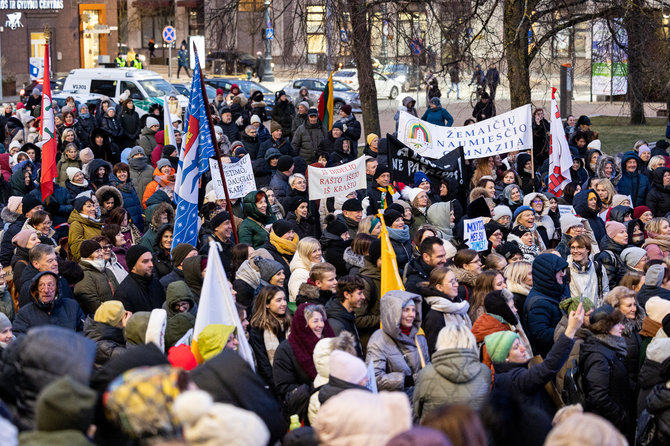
(346, 108)
(86, 155)
(304, 104)
(617, 199)
(219, 218)
(22, 237)
(181, 356)
(520, 231)
(110, 312)
(411, 193)
(206, 423)
(219, 91)
(336, 227)
(660, 144)
(168, 150)
(338, 125)
(137, 150)
(500, 211)
(292, 203)
(13, 203)
(284, 163)
(499, 344)
(352, 205)
(639, 210)
(267, 268)
(595, 145)
(496, 303)
(4, 322)
(420, 177)
(375, 251)
(654, 275)
(30, 202)
(71, 172)
(371, 137)
(601, 313)
(160, 164)
(88, 247)
(78, 203)
(490, 228)
(274, 126)
(613, 228)
(643, 149)
(65, 404)
(281, 227)
(239, 150)
(13, 144)
(435, 101)
(572, 303)
(133, 255)
(508, 250)
(568, 221)
(151, 121)
(632, 256)
(312, 112)
(256, 118)
(381, 169)
(478, 208)
(347, 367)
(657, 308)
(391, 215)
(521, 209)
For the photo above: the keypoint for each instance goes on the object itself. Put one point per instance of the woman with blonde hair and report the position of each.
(370, 225)
(307, 254)
(605, 190)
(483, 168)
(485, 283)
(519, 277)
(657, 243)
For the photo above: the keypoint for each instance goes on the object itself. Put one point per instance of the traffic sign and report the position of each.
(416, 46)
(269, 33)
(169, 34)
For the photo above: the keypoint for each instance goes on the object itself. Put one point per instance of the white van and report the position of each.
(146, 87)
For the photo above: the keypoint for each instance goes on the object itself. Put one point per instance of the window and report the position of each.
(135, 92)
(157, 88)
(316, 29)
(152, 28)
(196, 21)
(251, 5)
(104, 87)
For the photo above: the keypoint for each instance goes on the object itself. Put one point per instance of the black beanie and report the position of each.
(285, 162)
(375, 251)
(490, 228)
(281, 227)
(30, 203)
(391, 215)
(508, 250)
(352, 205)
(88, 247)
(78, 203)
(219, 218)
(336, 227)
(133, 255)
(292, 203)
(666, 324)
(180, 252)
(380, 170)
(398, 207)
(168, 150)
(496, 303)
(479, 208)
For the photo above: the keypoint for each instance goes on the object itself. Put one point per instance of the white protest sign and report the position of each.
(336, 181)
(499, 134)
(566, 209)
(475, 234)
(239, 178)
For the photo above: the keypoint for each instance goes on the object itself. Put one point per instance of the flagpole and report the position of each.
(217, 152)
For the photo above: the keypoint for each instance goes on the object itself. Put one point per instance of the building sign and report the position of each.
(31, 4)
(14, 20)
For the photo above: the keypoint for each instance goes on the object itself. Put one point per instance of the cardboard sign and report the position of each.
(239, 178)
(475, 234)
(336, 181)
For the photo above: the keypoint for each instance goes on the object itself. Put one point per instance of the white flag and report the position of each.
(217, 305)
(168, 130)
(560, 158)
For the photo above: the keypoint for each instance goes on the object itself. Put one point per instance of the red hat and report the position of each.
(182, 356)
(639, 210)
(20, 105)
(219, 91)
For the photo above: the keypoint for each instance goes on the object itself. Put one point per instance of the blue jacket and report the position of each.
(634, 184)
(438, 116)
(580, 204)
(131, 202)
(542, 313)
(65, 313)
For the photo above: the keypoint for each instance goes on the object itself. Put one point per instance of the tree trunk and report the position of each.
(361, 52)
(515, 29)
(635, 24)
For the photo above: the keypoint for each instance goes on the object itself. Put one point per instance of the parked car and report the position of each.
(90, 99)
(185, 90)
(404, 73)
(246, 86)
(342, 93)
(56, 85)
(386, 88)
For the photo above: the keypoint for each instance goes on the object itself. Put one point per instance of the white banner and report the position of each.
(500, 134)
(239, 178)
(475, 235)
(334, 181)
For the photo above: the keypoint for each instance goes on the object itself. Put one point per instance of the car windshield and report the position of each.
(346, 73)
(157, 88)
(339, 86)
(396, 68)
(247, 86)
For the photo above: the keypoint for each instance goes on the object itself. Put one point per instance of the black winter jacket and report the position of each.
(333, 252)
(139, 293)
(340, 319)
(263, 366)
(65, 313)
(110, 341)
(580, 204)
(658, 198)
(610, 257)
(292, 383)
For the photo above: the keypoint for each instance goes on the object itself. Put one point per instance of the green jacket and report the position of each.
(62, 166)
(252, 229)
(81, 228)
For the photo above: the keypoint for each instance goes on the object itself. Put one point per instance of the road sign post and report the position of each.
(169, 36)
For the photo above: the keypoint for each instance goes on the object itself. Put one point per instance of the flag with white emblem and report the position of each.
(197, 146)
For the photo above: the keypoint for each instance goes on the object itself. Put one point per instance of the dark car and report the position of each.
(56, 85)
(225, 83)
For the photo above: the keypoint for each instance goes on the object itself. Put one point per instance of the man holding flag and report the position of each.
(560, 159)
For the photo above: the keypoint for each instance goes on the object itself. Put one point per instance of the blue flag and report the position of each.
(197, 146)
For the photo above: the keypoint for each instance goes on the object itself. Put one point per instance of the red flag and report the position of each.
(47, 139)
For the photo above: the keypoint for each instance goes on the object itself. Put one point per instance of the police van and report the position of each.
(146, 87)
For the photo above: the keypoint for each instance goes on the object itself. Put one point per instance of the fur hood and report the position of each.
(8, 216)
(118, 198)
(352, 258)
(464, 276)
(600, 167)
(528, 199)
(160, 208)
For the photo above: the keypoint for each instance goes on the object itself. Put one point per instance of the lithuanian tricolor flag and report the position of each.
(390, 276)
(326, 105)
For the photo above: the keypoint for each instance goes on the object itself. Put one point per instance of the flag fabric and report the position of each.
(405, 162)
(390, 276)
(560, 157)
(217, 306)
(326, 105)
(168, 130)
(49, 171)
(197, 147)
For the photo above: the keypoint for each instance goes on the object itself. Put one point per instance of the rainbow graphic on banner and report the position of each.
(418, 136)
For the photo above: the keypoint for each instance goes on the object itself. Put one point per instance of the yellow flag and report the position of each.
(390, 275)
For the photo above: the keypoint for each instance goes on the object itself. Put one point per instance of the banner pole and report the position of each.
(532, 168)
(217, 152)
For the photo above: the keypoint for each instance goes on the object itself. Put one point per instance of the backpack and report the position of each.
(647, 425)
(573, 391)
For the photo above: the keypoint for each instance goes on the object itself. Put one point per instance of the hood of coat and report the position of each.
(465, 276)
(545, 267)
(104, 190)
(99, 132)
(457, 365)
(528, 200)
(338, 146)
(589, 154)
(8, 216)
(156, 212)
(193, 272)
(391, 306)
(659, 350)
(176, 292)
(97, 331)
(581, 204)
(618, 213)
(439, 214)
(352, 258)
(159, 235)
(248, 274)
(250, 209)
(608, 244)
(600, 168)
(147, 131)
(657, 178)
(297, 262)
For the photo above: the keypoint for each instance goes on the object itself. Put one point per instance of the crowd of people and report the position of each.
(556, 333)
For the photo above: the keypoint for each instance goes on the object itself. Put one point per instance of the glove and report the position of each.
(239, 121)
(409, 381)
(344, 128)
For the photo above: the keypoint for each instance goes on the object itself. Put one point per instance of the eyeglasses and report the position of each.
(107, 248)
(538, 201)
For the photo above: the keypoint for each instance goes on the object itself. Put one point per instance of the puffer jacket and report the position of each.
(141, 174)
(658, 197)
(252, 230)
(658, 404)
(62, 166)
(35, 360)
(635, 184)
(147, 141)
(454, 376)
(96, 287)
(110, 341)
(651, 372)
(306, 139)
(333, 251)
(610, 257)
(394, 354)
(541, 310)
(299, 275)
(81, 228)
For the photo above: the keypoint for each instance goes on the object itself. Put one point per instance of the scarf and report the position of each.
(271, 343)
(662, 241)
(616, 343)
(399, 235)
(303, 340)
(452, 311)
(285, 247)
(386, 190)
(634, 325)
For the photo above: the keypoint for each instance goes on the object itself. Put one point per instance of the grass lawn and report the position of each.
(618, 136)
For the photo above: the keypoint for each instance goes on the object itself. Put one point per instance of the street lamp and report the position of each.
(268, 75)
